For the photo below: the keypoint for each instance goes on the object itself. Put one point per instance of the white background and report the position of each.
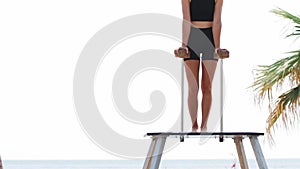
(42, 40)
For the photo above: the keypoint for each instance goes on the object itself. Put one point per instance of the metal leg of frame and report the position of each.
(241, 152)
(155, 152)
(1, 163)
(258, 153)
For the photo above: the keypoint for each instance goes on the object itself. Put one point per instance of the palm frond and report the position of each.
(268, 76)
(295, 71)
(287, 105)
(287, 15)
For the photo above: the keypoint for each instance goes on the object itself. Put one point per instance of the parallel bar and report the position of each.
(241, 152)
(258, 153)
(221, 138)
(155, 152)
(182, 97)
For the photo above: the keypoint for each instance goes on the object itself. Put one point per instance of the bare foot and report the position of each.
(203, 129)
(195, 127)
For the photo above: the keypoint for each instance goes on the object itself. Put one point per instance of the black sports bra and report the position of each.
(202, 10)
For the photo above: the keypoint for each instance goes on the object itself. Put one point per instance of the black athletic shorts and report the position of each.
(201, 44)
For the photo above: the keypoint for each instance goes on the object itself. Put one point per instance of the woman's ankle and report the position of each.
(195, 127)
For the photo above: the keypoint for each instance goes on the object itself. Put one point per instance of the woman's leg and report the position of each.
(192, 74)
(208, 71)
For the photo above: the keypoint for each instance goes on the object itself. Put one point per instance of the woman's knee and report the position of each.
(206, 88)
(193, 90)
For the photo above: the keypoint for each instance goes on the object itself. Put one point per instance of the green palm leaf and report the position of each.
(276, 73)
(288, 15)
(268, 77)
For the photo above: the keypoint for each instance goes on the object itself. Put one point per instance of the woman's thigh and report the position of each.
(192, 72)
(208, 71)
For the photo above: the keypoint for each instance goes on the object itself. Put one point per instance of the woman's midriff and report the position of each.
(202, 24)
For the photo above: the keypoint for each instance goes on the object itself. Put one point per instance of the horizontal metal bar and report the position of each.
(228, 134)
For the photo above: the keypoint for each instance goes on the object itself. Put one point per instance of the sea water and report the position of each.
(138, 164)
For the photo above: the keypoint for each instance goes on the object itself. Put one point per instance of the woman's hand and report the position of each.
(182, 52)
(221, 53)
